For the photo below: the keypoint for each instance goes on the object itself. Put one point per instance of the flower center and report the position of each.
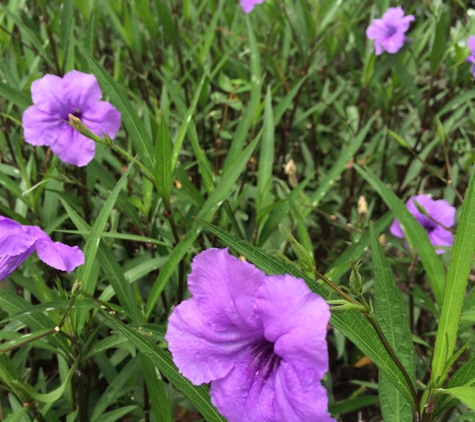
(429, 225)
(77, 113)
(265, 361)
(390, 30)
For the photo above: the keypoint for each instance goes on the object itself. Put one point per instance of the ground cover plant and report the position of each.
(255, 211)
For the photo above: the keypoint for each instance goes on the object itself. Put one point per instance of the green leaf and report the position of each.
(199, 396)
(163, 165)
(134, 126)
(457, 278)
(465, 376)
(391, 314)
(117, 414)
(352, 324)
(414, 232)
(465, 394)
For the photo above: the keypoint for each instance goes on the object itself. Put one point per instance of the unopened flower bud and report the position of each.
(290, 170)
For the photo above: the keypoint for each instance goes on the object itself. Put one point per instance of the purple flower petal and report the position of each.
(247, 393)
(396, 229)
(299, 396)
(9, 263)
(40, 128)
(248, 5)
(46, 123)
(13, 240)
(58, 255)
(290, 312)
(102, 117)
(81, 89)
(388, 33)
(48, 94)
(18, 242)
(225, 288)
(259, 339)
(471, 43)
(73, 148)
(440, 211)
(441, 237)
(202, 353)
(443, 212)
(395, 42)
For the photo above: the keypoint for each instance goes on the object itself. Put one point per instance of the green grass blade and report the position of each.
(457, 279)
(266, 159)
(163, 165)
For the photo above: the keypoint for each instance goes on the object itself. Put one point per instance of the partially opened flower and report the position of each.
(388, 33)
(440, 211)
(248, 5)
(18, 242)
(259, 340)
(471, 58)
(54, 98)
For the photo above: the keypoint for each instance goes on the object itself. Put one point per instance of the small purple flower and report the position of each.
(259, 340)
(471, 58)
(440, 210)
(18, 242)
(54, 98)
(248, 5)
(388, 33)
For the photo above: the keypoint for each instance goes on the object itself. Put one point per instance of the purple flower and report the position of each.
(248, 5)
(471, 58)
(54, 98)
(388, 33)
(18, 242)
(440, 210)
(259, 340)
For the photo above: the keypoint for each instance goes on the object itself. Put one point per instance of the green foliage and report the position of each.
(215, 104)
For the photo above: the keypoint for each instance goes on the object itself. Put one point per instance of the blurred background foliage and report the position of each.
(297, 77)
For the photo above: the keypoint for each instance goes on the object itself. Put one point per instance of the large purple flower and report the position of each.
(440, 211)
(388, 33)
(248, 5)
(259, 340)
(471, 58)
(18, 242)
(54, 98)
